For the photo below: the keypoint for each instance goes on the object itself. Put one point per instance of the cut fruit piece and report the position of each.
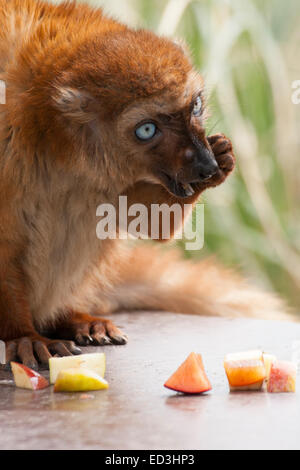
(268, 361)
(28, 378)
(94, 362)
(79, 379)
(245, 370)
(244, 388)
(283, 377)
(190, 377)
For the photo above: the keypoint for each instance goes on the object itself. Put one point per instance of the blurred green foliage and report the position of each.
(248, 52)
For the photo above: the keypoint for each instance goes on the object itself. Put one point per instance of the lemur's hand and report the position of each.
(223, 152)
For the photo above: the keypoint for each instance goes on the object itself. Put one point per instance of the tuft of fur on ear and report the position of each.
(75, 104)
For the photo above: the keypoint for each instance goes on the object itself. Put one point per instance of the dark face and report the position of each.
(168, 139)
(180, 153)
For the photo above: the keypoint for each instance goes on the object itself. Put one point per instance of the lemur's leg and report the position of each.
(23, 342)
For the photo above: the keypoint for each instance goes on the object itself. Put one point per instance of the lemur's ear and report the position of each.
(75, 104)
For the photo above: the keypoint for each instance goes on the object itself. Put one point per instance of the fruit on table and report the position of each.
(94, 362)
(79, 379)
(282, 377)
(28, 378)
(245, 370)
(268, 361)
(190, 377)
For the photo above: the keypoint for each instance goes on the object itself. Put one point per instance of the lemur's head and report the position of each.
(145, 107)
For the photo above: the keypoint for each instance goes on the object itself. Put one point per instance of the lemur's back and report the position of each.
(21, 19)
(18, 19)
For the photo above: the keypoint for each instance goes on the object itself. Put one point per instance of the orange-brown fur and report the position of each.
(77, 82)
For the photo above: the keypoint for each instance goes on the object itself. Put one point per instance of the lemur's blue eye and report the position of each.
(146, 131)
(197, 107)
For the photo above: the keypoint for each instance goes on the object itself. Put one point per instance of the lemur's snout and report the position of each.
(203, 165)
(207, 166)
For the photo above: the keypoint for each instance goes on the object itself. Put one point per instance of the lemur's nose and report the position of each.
(207, 170)
(204, 162)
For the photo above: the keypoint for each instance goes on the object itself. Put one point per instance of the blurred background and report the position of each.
(248, 52)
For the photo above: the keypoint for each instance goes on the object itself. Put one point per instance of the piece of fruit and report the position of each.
(190, 377)
(268, 361)
(79, 379)
(282, 377)
(94, 361)
(245, 370)
(28, 378)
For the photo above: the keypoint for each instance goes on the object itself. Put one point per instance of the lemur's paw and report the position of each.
(98, 332)
(223, 152)
(35, 351)
(87, 330)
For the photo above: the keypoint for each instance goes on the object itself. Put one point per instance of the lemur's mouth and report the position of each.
(178, 188)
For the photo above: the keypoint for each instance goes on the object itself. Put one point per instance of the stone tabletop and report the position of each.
(137, 412)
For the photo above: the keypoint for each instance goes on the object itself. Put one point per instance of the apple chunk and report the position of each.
(28, 378)
(282, 377)
(93, 361)
(79, 380)
(245, 370)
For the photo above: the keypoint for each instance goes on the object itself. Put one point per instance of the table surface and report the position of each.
(137, 412)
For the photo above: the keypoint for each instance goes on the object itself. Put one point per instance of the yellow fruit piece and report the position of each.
(79, 380)
(245, 370)
(94, 362)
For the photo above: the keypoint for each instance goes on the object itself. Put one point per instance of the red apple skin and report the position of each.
(283, 377)
(35, 380)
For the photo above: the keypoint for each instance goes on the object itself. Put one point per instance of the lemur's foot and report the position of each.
(223, 152)
(87, 330)
(34, 351)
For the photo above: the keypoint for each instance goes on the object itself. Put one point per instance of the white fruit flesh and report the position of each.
(21, 378)
(255, 355)
(28, 378)
(94, 362)
(268, 361)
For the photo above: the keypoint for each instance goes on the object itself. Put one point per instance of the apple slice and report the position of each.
(245, 370)
(79, 379)
(190, 377)
(283, 377)
(93, 361)
(28, 378)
